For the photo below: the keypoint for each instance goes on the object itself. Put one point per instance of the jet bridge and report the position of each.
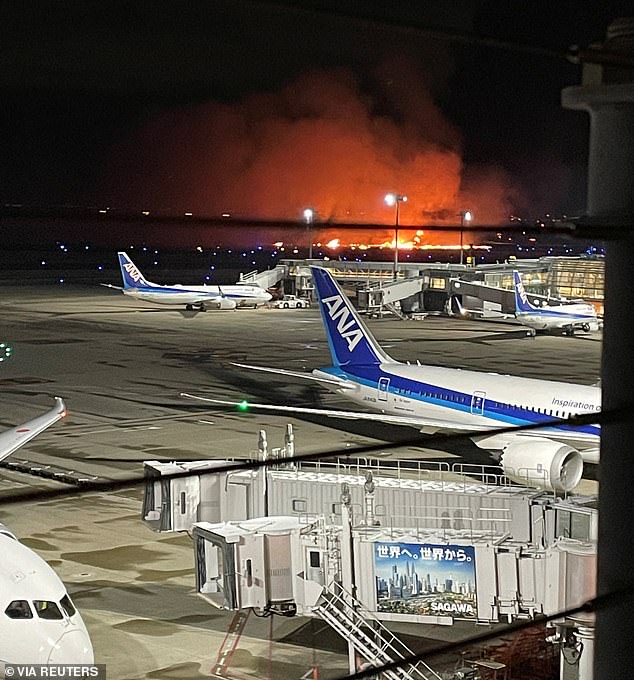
(490, 301)
(288, 565)
(265, 279)
(356, 577)
(415, 542)
(385, 296)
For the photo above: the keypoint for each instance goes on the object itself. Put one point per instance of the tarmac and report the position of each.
(120, 365)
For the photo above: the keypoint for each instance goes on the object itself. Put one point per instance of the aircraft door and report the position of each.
(384, 386)
(477, 403)
(185, 499)
(251, 571)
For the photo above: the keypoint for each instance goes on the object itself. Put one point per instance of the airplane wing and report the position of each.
(13, 439)
(334, 381)
(427, 425)
(109, 285)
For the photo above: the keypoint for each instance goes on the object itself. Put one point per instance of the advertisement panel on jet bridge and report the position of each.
(425, 579)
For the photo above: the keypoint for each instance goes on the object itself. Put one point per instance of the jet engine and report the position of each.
(543, 463)
(225, 303)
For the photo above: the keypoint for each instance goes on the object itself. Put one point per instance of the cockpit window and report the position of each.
(47, 610)
(67, 606)
(19, 609)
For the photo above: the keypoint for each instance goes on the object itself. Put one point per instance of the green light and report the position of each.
(243, 405)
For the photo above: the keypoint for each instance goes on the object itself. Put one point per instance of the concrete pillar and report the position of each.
(608, 95)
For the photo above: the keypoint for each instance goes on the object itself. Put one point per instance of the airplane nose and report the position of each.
(73, 647)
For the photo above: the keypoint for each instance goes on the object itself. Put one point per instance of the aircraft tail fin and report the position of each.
(132, 277)
(349, 340)
(521, 299)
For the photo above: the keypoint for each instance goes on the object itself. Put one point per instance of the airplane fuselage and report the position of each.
(580, 316)
(38, 624)
(195, 295)
(481, 400)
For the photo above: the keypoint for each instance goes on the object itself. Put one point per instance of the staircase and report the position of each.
(386, 295)
(395, 310)
(369, 637)
(265, 279)
(229, 645)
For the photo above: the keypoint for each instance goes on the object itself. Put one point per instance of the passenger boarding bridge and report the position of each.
(367, 542)
(422, 287)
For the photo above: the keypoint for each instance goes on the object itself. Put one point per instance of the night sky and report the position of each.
(260, 108)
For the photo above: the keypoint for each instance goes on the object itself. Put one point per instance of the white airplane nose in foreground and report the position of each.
(73, 647)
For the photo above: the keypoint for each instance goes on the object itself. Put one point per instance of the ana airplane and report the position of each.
(38, 622)
(436, 399)
(192, 297)
(565, 317)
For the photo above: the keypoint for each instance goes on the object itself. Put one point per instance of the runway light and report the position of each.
(243, 405)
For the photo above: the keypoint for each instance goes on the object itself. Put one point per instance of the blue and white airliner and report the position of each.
(566, 318)
(192, 297)
(436, 399)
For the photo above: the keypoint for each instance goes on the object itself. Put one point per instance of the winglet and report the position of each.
(13, 439)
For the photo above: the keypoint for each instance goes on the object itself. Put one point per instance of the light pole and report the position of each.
(465, 216)
(395, 199)
(309, 216)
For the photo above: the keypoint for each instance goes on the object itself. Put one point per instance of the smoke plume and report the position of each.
(321, 141)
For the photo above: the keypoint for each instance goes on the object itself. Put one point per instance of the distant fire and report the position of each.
(320, 142)
(416, 243)
(407, 240)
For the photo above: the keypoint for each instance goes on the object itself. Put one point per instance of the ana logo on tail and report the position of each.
(522, 291)
(348, 329)
(133, 272)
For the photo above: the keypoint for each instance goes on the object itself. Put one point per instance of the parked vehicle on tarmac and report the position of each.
(291, 302)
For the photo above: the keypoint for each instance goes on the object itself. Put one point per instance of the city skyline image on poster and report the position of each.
(425, 579)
